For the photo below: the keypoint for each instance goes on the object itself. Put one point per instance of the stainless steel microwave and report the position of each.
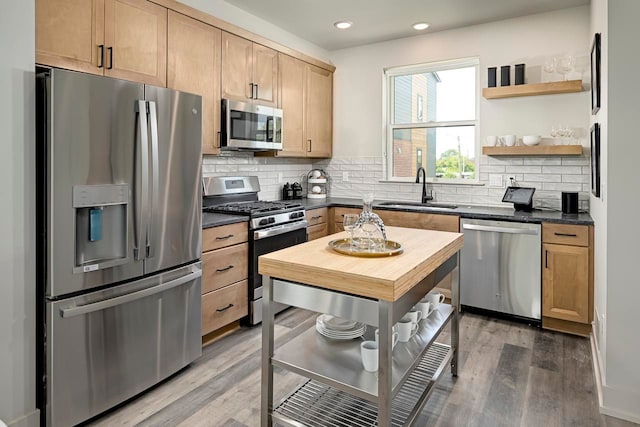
(246, 126)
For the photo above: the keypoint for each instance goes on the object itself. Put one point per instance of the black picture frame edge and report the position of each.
(595, 73)
(595, 159)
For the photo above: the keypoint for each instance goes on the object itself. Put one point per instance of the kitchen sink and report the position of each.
(413, 205)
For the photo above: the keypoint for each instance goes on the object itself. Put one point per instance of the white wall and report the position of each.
(618, 293)
(17, 220)
(358, 107)
(236, 16)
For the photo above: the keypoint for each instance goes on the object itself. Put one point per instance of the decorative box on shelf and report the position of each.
(317, 184)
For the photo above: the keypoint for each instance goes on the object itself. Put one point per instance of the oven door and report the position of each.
(265, 241)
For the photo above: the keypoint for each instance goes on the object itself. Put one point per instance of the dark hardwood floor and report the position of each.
(510, 375)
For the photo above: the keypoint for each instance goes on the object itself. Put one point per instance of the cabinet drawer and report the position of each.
(225, 235)
(224, 266)
(221, 307)
(317, 231)
(339, 213)
(563, 234)
(426, 221)
(317, 216)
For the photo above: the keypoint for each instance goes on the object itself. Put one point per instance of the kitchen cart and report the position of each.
(374, 291)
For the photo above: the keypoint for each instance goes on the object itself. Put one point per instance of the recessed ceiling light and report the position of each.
(343, 25)
(420, 26)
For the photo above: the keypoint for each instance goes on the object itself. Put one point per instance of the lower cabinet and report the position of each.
(567, 278)
(318, 220)
(224, 276)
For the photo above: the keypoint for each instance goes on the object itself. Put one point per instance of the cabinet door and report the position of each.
(136, 39)
(265, 75)
(565, 282)
(193, 65)
(291, 71)
(69, 33)
(318, 111)
(236, 67)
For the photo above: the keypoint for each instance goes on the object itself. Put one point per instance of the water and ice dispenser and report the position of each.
(100, 226)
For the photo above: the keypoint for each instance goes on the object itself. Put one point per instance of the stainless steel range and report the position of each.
(272, 225)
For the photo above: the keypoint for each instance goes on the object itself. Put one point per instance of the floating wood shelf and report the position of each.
(536, 150)
(532, 89)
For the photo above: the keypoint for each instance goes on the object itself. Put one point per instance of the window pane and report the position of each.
(444, 152)
(434, 96)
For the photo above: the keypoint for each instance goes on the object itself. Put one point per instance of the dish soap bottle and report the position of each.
(369, 229)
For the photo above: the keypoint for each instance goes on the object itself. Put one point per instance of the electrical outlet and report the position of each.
(345, 176)
(495, 180)
(280, 177)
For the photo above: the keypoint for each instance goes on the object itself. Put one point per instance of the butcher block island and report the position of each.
(377, 292)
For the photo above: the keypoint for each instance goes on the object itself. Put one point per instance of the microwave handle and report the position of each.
(270, 128)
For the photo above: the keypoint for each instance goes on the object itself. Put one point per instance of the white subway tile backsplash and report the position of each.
(572, 161)
(575, 178)
(542, 161)
(561, 186)
(493, 169)
(542, 177)
(565, 170)
(523, 169)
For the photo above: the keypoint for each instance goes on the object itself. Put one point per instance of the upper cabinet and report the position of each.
(318, 111)
(125, 39)
(249, 71)
(193, 65)
(306, 100)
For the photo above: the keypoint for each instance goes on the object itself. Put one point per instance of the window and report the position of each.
(431, 121)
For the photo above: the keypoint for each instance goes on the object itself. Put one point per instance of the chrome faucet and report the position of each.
(425, 198)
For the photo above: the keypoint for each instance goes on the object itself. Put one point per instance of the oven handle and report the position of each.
(279, 229)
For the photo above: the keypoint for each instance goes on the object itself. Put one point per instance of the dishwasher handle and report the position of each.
(495, 229)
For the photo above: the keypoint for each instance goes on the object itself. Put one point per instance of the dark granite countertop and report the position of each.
(215, 219)
(475, 212)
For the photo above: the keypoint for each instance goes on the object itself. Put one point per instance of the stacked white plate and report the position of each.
(338, 328)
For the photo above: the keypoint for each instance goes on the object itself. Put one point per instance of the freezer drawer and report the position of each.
(500, 267)
(107, 346)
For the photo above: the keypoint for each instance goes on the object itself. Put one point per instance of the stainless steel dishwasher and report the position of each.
(500, 267)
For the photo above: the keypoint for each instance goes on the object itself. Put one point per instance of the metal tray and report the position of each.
(344, 247)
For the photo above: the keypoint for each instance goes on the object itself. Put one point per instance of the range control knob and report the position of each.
(271, 220)
(264, 221)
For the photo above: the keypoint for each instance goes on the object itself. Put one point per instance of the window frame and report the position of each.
(388, 112)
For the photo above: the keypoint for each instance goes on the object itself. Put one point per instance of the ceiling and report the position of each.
(380, 20)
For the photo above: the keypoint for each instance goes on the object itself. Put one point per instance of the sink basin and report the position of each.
(413, 205)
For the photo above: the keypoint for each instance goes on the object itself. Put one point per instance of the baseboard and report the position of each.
(31, 419)
(608, 393)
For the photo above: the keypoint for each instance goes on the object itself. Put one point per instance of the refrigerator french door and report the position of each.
(119, 172)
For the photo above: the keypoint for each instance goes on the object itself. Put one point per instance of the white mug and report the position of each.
(394, 337)
(425, 308)
(509, 140)
(415, 315)
(435, 298)
(406, 329)
(492, 140)
(369, 354)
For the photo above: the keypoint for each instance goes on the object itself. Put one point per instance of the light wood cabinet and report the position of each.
(249, 71)
(291, 101)
(318, 111)
(193, 65)
(318, 220)
(224, 276)
(567, 278)
(125, 39)
(69, 33)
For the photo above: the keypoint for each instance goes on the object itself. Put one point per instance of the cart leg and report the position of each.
(455, 327)
(266, 394)
(385, 325)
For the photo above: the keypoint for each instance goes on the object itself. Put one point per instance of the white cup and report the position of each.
(492, 140)
(415, 315)
(425, 308)
(509, 140)
(394, 337)
(406, 329)
(435, 298)
(369, 354)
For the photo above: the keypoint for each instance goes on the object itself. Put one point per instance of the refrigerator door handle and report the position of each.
(112, 302)
(142, 195)
(155, 166)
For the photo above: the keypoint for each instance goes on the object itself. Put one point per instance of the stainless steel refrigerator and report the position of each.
(119, 226)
